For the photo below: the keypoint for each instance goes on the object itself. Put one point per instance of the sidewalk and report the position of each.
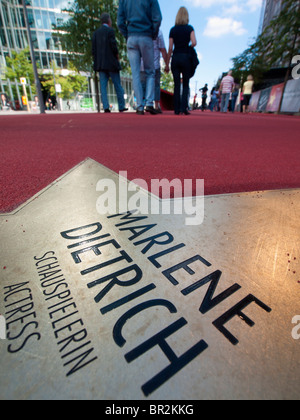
(24, 113)
(232, 153)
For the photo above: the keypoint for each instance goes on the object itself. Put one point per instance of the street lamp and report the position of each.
(36, 76)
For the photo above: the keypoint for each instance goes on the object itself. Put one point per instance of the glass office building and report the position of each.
(43, 15)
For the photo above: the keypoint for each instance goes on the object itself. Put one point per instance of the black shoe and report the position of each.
(151, 110)
(123, 110)
(140, 112)
(107, 111)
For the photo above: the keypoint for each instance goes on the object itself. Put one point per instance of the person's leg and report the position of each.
(177, 85)
(227, 98)
(104, 77)
(223, 102)
(116, 79)
(135, 56)
(186, 71)
(144, 85)
(157, 89)
(147, 52)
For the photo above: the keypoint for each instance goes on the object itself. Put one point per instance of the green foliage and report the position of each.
(71, 85)
(76, 34)
(167, 81)
(19, 65)
(280, 40)
(275, 47)
(251, 61)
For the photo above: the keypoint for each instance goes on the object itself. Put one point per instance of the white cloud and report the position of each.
(200, 56)
(254, 5)
(217, 27)
(234, 10)
(209, 3)
(236, 5)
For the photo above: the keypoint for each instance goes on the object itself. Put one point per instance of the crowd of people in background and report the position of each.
(139, 22)
(224, 98)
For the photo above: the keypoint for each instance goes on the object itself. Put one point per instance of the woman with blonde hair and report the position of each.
(182, 35)
(247, 91)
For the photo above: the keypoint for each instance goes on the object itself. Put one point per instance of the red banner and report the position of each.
(254, 101)
(275, 98)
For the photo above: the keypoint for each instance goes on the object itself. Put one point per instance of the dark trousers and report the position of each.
(181, 66)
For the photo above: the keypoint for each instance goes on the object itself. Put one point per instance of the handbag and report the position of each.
(194, 60)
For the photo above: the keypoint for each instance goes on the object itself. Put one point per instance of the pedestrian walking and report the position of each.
(226, 89)
(247, 91)
(235, 94)
(204, 91)
(139, 22)
(159, 49)
(182, 35)
(213, 106)
(106, 62)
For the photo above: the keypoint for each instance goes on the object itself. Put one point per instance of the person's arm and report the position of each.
(171, 46)
(113, 43)
(122, 21)
(165, 57)
(156, 17)
(193, 39)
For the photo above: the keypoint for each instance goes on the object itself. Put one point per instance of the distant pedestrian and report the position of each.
(235, 95)
(139, 21)
(214, 100)
(226, 89)
(5, 102)
(182, 35)
(247, 91)
(204, 91)
(106, 62)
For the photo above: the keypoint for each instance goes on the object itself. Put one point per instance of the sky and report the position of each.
(224, 29)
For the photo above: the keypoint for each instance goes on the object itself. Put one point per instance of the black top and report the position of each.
(105, 50)
(181, 34)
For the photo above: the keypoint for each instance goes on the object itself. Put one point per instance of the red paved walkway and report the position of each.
(233, 153)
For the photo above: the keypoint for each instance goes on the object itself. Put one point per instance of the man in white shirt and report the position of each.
(227, 86)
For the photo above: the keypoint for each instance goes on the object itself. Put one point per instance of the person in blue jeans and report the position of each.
(139, 22)
(106, 62)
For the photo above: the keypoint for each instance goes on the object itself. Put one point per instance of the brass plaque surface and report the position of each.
(146, 307)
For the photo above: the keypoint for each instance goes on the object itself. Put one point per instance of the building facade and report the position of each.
(271, 9)
(44, 16)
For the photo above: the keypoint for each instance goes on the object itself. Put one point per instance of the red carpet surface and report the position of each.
(232, 153)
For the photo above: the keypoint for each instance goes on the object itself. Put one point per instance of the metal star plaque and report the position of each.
(130, 305)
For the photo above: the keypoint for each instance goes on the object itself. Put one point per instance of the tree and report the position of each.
(167, 81)
(76, 34)
(71, 85)
(251, 61)
(280, 40)
(276, 46)
(19, 65)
